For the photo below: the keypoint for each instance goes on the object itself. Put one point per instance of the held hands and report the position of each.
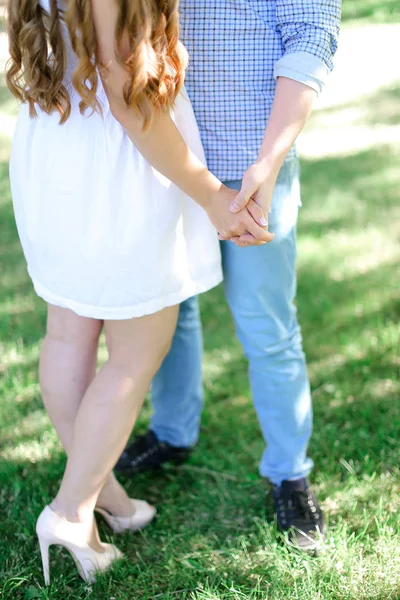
(247, 223)
(257, 188)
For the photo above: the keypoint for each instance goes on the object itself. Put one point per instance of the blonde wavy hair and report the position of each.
(148, 29)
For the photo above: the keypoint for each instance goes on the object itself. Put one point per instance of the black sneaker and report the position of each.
(147, 453)
(299, 512)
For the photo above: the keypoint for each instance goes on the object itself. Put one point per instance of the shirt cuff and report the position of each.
(304, 68)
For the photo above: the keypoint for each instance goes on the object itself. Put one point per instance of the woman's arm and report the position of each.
(163, 146)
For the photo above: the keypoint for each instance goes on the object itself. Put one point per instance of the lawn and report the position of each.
(384, 11)
(215, 538)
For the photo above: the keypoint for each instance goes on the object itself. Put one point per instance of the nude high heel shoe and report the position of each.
(53, 530)
(143, 514)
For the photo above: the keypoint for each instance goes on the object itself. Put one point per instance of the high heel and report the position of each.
(143, 514)
(44, 552)
(53, 530)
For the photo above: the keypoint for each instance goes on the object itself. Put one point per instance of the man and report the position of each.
(256, 68)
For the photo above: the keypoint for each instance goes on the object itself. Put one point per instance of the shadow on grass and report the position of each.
(353, 192)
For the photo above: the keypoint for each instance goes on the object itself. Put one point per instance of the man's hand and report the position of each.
(257, 186)
(292, 105)
(249, 221)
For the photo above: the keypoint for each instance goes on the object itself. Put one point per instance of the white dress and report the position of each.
(104, 234)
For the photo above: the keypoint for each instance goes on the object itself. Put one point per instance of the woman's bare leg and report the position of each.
(67, 367)
(110, 407)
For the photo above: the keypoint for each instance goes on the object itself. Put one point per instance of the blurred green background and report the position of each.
(215, 538)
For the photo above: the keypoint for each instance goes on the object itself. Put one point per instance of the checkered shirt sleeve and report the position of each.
(310, 26)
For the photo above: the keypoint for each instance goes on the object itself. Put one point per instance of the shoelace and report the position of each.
(140, 443)
(307, 505)
(299, 503)
(142, 456)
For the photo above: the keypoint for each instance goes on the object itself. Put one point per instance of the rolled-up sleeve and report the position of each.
(310, 32)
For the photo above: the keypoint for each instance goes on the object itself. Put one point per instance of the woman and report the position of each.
(109, 241)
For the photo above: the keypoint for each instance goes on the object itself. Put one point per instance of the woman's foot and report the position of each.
(114, 499)
(142, 514)
(80, 538)
(121, 512)
(92, 534)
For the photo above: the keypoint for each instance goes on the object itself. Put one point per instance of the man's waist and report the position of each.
(229, 164)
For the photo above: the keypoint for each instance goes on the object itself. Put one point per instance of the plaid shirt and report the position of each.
(237, 49)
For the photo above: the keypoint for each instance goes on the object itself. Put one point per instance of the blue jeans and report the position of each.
(260, 287)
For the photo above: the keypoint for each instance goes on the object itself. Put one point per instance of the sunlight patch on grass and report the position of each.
(17, 306)
(346, 256)
(102, 356)
(362, 87)
(383, 11)
(25, 392)
(34, 450)
(268, 570)
(381, 339)
(328, 365)
(12, 354)
(380, 492)
(217, 361)
(5, 146)
(343, 140)
(31, 426)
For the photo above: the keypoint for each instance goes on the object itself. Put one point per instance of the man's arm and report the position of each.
(309, 30)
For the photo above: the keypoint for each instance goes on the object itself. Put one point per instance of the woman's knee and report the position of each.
(67, 327)
(135, 358)
(143, 343)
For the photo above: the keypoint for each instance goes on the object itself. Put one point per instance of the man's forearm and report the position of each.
(291, 108)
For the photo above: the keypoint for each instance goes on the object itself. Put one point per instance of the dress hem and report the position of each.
(140, 310)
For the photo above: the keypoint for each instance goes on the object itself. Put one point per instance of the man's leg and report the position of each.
(177, 397)
(260, 286)
(177, 391)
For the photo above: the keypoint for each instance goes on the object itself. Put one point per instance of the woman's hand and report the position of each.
(250, 221)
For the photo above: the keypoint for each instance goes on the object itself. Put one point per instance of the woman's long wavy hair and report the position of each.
(147, 31)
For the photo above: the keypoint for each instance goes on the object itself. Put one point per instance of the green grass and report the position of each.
(374, 11)
(215, 538)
